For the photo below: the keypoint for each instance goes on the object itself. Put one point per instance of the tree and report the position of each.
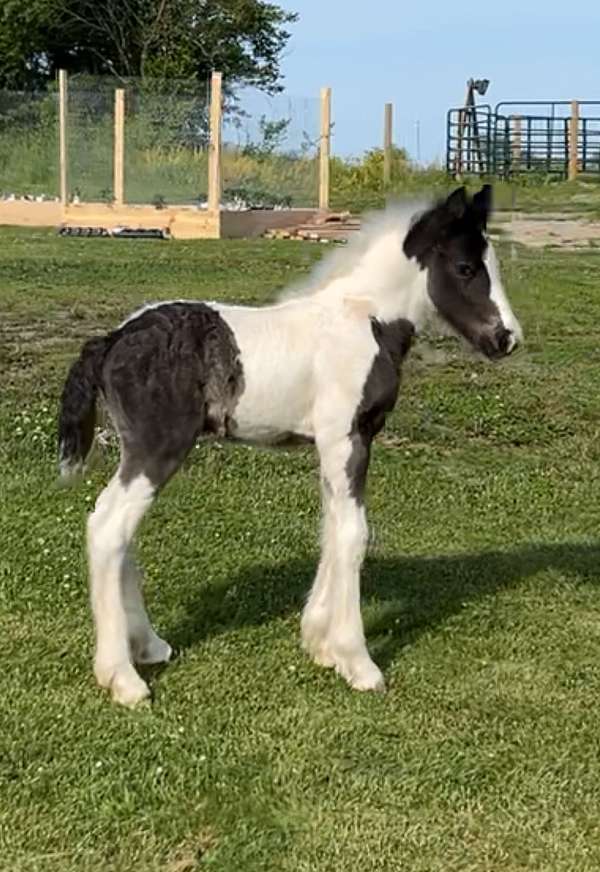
(161, 39)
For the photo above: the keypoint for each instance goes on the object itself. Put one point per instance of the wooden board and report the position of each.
(182, 222)
(25, 213)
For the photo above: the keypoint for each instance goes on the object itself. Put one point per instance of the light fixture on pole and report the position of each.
(467, 124)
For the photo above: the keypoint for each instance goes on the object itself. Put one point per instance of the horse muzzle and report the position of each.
(498, 343)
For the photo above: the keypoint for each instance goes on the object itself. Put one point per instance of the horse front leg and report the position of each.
(333, 607)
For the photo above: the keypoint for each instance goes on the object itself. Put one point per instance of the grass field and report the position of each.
(481, 594)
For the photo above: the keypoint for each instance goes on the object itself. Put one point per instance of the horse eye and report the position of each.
(465, 270)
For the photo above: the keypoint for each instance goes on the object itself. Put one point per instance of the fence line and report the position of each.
(127, 141)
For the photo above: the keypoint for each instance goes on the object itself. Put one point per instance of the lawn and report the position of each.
(481, 601)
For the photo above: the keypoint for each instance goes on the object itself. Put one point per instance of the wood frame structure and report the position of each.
(181, 222)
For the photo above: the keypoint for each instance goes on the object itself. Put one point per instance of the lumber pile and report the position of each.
(332, 227)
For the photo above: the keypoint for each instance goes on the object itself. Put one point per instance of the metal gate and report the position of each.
(522, 137)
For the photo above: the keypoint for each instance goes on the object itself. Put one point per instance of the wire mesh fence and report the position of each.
(166, 142)
(90, 132)
(270, 146)
(269, 154)
(29, 144)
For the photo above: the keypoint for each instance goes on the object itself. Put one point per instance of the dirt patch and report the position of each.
(562, 230)
(188, 857)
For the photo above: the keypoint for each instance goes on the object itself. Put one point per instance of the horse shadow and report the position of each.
(404, 597)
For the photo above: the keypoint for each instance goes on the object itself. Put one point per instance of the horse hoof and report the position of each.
(155, 651)
(129, 689)
(362, 676)
(322, 657)
(125, 685)
(373, 682)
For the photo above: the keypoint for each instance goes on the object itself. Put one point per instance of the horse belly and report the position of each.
(274, 405)
(277, 357)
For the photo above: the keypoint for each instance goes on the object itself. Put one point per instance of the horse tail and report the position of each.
(78, 407)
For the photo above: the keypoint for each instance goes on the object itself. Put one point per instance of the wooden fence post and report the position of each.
(573, 140)
(517, 148)
(387, 145)
(214, 154)
(62, 136)
(325, 149)
(119, 156)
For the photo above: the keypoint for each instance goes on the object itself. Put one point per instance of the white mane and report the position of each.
(373, 267)
(381, 233)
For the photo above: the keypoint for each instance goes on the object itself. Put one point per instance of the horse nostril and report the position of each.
(505, 340)
(512, 342)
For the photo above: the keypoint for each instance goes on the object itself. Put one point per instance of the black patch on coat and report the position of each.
(380, 393)
(169, 375)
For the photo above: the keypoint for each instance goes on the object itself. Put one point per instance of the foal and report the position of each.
(322, 364)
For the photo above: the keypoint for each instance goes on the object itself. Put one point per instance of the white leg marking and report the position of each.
(346, 634)
(337, 589)
(111, 527)
(316, 617)
(146, 646)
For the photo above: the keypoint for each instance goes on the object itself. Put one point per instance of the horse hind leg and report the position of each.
(152, 452)
(111, 527)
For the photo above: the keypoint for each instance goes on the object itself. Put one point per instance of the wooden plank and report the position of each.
(196, 224)
(62, 135)
(387, 144)
(325, 148)
(184, 222)
(119, 146)
(26, 213)
(573, 140)
(119, 157)
(214, 155)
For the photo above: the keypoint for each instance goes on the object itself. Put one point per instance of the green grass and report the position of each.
(481, 601)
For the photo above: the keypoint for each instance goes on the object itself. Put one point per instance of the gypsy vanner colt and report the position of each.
(323, 363)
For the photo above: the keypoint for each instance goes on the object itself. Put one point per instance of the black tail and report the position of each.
(78, 407)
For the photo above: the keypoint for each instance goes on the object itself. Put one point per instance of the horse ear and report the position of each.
(422, 236)
(482, 205)
(456, 204)
(425, 233)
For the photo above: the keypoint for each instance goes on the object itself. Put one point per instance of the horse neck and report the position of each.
(384, 282)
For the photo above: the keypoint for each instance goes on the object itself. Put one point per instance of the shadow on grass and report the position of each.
(412, 594)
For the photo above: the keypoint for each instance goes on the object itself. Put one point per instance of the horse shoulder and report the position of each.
(380, 390)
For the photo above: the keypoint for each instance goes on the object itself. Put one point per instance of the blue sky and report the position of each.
(419, 55)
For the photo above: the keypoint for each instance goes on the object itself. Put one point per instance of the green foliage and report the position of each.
(272, 136)
(358, 183)
(163, 39)
(28, 143)
(366, 173)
